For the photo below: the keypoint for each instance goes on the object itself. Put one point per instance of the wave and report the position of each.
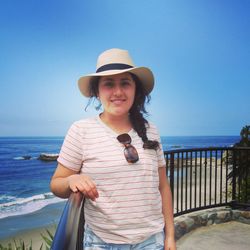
(26, 157)
(41, 156)
(19, 206)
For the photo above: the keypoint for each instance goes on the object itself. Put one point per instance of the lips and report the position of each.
(118, 101)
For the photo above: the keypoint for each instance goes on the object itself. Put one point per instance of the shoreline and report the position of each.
(20, 225)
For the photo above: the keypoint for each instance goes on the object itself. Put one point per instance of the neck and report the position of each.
(120, 124)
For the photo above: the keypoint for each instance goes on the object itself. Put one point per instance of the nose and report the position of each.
(117, 90)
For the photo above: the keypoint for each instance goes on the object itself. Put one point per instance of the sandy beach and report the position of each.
(200, 184)
(29, 227)
(28, 236)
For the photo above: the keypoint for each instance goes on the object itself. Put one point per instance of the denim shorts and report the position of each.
(93, 242)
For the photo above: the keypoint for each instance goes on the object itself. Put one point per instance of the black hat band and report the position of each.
(113, 66)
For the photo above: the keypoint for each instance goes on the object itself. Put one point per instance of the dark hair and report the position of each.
(93, 91)
(139, 123)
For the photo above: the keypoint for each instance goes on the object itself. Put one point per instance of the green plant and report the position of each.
(244, 192)
(239, 161)
(20, 245)
(48, 239)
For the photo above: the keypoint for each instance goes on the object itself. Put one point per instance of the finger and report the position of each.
(74, 189)
(85, 189)
(92, 189)
(95, 192)
(91, 194)
(81, 187)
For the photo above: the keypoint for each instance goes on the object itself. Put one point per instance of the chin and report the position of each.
(119, 113)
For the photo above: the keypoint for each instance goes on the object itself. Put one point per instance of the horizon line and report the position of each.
(22, 136)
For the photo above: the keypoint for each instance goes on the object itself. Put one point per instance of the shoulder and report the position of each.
(83, 125)
(87, 122)
(151, 127)
(152, 131)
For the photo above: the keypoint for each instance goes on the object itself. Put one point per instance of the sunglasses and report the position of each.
(130, 152)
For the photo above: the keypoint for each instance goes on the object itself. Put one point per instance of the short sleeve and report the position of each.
(160, 154)
(71, 153)
(153, 134)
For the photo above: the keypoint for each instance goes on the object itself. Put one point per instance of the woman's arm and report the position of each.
(167, 209)
(64, 181)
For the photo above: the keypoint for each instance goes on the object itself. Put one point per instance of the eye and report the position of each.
(126, 83)
(108, 84)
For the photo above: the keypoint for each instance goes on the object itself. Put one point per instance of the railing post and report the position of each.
(233, 202)
(172, 174)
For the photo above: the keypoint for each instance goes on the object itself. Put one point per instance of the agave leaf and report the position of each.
(9, 246)
(15, 243)
(41, 247)
(50, 234)
(47, 240)
(30, 247)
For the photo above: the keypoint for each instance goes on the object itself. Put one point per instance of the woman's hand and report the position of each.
(83, 184)
(170, 244)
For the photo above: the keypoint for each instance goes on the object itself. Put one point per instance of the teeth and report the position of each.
(117, 101)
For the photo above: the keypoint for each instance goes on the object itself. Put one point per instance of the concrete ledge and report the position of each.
(188, 222)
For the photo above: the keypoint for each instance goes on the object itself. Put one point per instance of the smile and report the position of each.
(118, 101)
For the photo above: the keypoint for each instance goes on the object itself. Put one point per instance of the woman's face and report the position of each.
(117, 93)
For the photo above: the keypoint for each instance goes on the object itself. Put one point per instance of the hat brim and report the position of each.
(144, 74)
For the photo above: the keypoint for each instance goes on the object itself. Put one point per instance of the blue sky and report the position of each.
(198, 50)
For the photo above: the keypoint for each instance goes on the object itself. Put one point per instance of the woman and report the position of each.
(116, 161)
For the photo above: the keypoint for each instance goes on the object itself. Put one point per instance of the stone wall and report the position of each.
(188, 222)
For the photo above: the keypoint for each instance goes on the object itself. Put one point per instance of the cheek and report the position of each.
(132, 100)
(132, 97)
(103, 100)
(102, 94)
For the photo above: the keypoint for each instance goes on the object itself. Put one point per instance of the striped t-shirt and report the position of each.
(129, 207)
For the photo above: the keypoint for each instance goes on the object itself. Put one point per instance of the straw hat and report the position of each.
(117, 61)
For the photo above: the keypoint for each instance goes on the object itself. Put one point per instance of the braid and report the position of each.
(139, 124)
(137, 110)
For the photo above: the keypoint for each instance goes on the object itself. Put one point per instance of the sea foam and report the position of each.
(19, 206)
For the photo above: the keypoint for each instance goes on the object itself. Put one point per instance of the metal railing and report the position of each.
(70, 230)
(199, 178)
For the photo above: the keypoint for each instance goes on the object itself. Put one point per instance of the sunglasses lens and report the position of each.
(131, 154)
(124, 139)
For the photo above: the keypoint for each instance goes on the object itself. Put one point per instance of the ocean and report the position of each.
(25, 198)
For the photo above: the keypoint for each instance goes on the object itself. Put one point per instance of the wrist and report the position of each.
(169, 233)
